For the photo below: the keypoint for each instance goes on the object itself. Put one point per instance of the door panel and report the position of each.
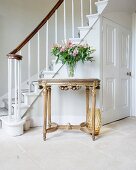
(124, 65)
(116, 83)
(124, 93)
(110, 92)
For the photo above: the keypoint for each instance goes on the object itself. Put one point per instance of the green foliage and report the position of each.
(70, 53)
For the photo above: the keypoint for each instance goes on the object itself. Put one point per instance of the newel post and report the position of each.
(14, 73)
(13, 124)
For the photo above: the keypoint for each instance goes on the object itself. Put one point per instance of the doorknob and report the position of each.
(128, 73)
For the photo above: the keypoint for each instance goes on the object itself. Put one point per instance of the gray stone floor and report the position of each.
(114, 149)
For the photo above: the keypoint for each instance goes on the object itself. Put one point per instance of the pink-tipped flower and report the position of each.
(62, 49)
(57, 45)
(75, 52)
(69, 44)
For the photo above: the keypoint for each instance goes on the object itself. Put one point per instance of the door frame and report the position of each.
(132, 83)
(133, 110)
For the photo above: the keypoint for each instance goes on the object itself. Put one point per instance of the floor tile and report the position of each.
(113, 149)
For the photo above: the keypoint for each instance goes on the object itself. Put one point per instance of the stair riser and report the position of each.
(29, 99)
(92, 19)
(101, 6)
(83, 32)
(5, 104)
(22, 111)
(36, 86)
(47, 76)
(13, 128)
(26, 99)
(75, 40)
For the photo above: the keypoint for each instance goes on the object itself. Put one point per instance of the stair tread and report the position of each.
(85, 27)
(34, 82)
(32, 93)
(12, 121)
(54, 61)
(48, 72)
(22, 105)
(101, 2)
(13, 100)
(75, 39)
(92, 15)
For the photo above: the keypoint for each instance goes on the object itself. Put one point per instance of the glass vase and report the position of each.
(71, 69)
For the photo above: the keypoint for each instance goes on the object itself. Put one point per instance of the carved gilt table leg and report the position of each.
(45, 94)
(93, 109)
(49, 106)
(87, 103)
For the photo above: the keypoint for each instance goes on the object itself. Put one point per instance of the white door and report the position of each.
(116, 66)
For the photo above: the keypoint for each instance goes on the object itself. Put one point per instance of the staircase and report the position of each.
(23, 94)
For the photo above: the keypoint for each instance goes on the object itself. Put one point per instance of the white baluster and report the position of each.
(47, 44)
(90, 6)
(15, 108)
(38, 55)
(19, 90)
(56, 26)
(29, 64)
(73, 24)
(82, 19)
(65, 20)
(9, 88)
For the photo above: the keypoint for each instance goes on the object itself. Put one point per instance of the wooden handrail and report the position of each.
(14, 56)
(27, 39)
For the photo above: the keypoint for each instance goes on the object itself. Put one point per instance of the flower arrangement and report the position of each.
(70, 54)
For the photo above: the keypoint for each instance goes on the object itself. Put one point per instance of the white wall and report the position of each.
(121, 18)
(18, 18)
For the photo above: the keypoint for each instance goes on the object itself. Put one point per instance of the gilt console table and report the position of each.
(66, 84)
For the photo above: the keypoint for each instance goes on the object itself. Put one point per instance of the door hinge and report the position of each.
(129, 74)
